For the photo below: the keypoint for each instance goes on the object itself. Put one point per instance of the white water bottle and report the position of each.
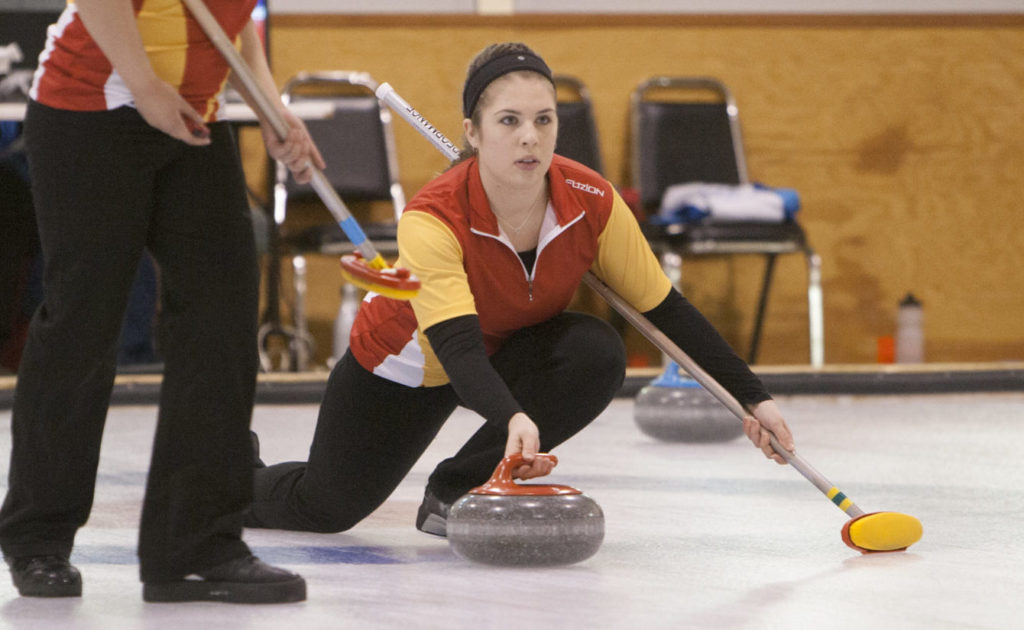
(343, 323)
(910, 331)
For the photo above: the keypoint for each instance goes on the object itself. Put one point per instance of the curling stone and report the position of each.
(675, 408)
(524, 525)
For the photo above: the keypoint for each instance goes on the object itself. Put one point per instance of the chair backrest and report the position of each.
(356, 142)
(684, 130)
(577, 130)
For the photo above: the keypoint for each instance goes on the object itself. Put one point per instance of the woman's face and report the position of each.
(518, 127)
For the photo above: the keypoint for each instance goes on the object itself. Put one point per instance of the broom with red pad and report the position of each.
(366, 268)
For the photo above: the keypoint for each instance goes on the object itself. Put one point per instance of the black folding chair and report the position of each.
(686, 129)
(577, 130)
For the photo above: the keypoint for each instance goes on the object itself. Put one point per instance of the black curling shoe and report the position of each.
(45, 576)
(432, 517)
(246, 580)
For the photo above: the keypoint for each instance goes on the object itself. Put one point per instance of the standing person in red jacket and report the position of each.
(500, 243)
(125, 153)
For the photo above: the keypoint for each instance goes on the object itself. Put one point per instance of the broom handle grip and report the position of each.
(266, 109)
(390, 97)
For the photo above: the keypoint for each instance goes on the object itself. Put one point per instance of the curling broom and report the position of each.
(866, 532)
(366, 268)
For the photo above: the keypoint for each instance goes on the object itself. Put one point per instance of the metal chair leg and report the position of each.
(815, 309)
(274, 338)
(302, 342)
(762, 307)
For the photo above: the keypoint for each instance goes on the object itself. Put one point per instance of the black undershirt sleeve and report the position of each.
(459, 345)
(695, 335)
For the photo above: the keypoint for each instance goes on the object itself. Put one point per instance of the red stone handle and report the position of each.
(501, 482)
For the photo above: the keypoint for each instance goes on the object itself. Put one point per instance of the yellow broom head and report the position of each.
(882, 531)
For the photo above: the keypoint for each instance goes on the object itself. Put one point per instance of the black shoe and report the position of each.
(45, 576)
(245, 580)
(256, 461)
(432, 517)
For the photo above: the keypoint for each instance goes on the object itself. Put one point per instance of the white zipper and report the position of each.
(543, 242)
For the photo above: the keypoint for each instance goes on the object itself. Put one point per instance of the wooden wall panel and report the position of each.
(905, 141)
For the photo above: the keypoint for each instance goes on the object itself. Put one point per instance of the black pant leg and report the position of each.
(91, 187)
(200, 477)
(19, 244)
(369, 434)
(563, 372)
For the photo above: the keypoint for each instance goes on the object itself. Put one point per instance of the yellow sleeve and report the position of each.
(626, 263)
(428, 249)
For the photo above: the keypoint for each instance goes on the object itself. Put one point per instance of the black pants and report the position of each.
(18, 248)
(371, 431)
(106, 185)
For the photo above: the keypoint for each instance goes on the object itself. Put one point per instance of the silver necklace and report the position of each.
(529, 215)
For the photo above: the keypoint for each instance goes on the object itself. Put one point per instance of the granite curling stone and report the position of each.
(502, 523)
(675, 408)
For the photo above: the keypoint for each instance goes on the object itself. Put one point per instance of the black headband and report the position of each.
(499, 66)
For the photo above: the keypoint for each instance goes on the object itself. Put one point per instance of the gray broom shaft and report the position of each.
(666, 345)
(266, 108)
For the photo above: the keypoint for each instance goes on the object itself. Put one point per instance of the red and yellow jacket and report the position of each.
(74, 74)
(450, 239)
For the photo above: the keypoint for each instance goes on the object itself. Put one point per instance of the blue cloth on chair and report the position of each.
(697, 202)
